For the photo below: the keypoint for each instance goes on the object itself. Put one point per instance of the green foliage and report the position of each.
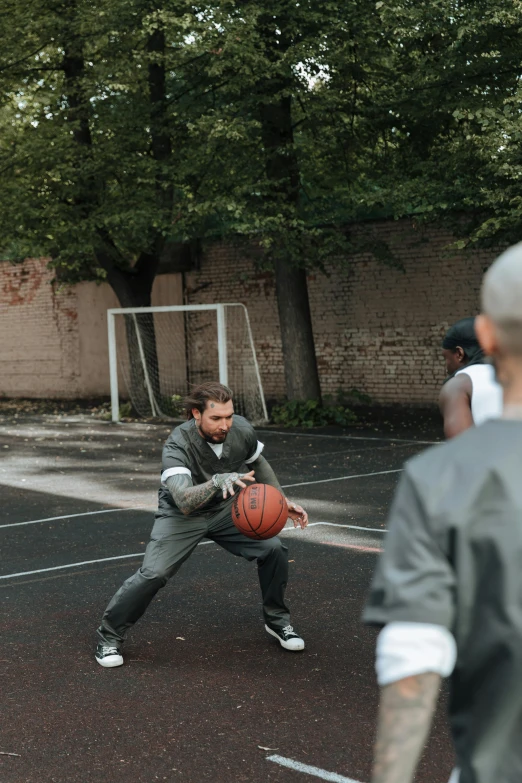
(312, 413)
(173, 406)
(85, 179)
(125, 410)
(353, 397)
(450, 128)
(102, 162)
(127, 123)
(288, 126)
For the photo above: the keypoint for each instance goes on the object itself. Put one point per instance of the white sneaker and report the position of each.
(108, 655)
(287, 637)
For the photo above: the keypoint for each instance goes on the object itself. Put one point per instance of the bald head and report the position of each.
(502, 298)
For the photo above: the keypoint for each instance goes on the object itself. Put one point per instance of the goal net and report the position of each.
(161, 352)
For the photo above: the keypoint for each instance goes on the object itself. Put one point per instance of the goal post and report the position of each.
(160, 352)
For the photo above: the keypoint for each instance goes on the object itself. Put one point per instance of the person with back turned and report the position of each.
(447, 591)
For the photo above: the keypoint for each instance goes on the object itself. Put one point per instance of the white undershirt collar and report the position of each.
(217, 448)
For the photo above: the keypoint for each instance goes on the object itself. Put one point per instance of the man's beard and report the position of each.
(218, 438)
(215, 438)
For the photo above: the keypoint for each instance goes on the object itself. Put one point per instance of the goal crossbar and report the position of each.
(222, 350)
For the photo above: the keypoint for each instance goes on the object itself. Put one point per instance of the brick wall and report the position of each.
(377, 329)
(54, 339)
(40, 339)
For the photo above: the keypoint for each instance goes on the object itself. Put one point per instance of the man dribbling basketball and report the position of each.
(203, 460)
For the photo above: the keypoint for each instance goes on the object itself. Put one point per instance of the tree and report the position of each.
(91, 140)
(450, 122)
(275, 128)
(97, 104)
(130, 123)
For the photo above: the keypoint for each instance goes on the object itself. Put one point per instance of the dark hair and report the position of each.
(200, 395)
(462, 335)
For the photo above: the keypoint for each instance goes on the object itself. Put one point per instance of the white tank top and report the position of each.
(486, 395)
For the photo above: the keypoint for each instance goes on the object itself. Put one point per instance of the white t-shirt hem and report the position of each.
(406, 649)
(256, 454)
(174, 472)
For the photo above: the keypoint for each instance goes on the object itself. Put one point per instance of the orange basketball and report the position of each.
(259, 511)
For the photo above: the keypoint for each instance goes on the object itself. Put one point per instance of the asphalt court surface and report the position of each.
(204, 694)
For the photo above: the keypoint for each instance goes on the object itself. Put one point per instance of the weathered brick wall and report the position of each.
(39, 348)
(54, 339)
(377, 329)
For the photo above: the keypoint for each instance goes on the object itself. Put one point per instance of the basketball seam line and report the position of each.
(244, 516)
(253, 532)
(277, 520)
(262, 507)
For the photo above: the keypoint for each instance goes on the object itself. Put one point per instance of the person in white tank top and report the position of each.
(486, 393)
(471, 394)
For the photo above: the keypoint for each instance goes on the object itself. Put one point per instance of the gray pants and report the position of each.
(173, 539)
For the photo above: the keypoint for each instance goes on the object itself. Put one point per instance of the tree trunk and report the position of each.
(133, 289)
(282, 171)
(301, 376)
(132, 285)
(300, 363)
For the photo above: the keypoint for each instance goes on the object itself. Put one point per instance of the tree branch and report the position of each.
(23, 59)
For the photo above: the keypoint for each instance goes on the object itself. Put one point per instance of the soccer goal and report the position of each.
(160, 352)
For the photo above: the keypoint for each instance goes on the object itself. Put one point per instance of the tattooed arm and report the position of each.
(405, 714)
(189, 498)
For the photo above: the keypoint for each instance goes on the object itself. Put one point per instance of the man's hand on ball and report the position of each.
(297, 514)
(225, 481)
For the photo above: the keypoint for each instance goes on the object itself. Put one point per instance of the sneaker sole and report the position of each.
(296, 646)
(110, 661)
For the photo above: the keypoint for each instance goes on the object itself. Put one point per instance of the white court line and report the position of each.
(140, 508)
(351, 437)
(70, 565)
(309, 770)
(145, 508)
(140, 554)
(342, 478)
(84, 562)
(70, 516)
(352, 527)
(355, 547)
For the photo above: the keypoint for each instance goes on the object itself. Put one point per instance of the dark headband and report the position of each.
(464, 342)
(461, 334)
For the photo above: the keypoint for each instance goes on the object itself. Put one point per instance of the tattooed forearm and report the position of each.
(405, 713)
(187, 497)
(264, 473)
